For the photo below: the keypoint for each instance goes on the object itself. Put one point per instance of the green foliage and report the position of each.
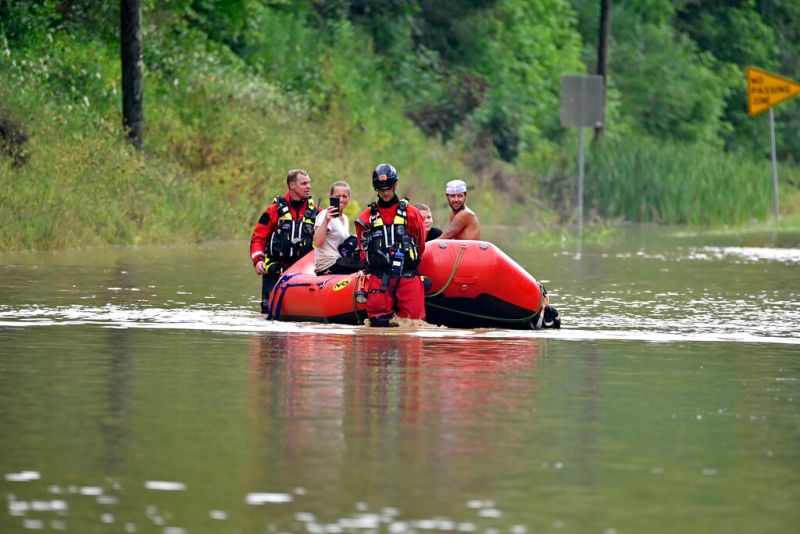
(239, 91)
(536, 44)
(655, 12)
(732, 33)
(26, 22)
(29, 21)
(669, 86)
(222, 20)
(737, 36)
(447, 27)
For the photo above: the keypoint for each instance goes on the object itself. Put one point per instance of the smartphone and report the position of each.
(335, 202)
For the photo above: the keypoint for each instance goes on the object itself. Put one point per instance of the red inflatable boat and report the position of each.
(474, 285)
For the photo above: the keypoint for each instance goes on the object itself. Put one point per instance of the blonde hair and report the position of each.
(423, 207)
(340, 183)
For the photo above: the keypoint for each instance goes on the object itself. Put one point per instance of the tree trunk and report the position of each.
(131, 52)
(602, 54)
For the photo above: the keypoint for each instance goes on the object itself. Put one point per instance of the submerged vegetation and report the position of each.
(237, 92)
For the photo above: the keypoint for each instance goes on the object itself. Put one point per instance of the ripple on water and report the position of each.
(23, 476)
(163, 485)
(484, 513)
(267, 498)
(746, 254)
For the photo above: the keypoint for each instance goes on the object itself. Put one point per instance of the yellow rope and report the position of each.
(452, 274)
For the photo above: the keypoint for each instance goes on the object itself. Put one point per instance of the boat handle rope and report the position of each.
(452, 273)
(275, 302)
(284, 288)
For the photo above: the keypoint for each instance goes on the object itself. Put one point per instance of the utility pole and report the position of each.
(602, 54)
(130, 38)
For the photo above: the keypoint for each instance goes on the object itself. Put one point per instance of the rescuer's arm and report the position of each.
(258, 241)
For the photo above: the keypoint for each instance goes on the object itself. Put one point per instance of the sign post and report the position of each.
(774, 158)
(765, 91)
(582, 107)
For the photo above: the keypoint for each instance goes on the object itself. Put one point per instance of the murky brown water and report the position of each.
(141, 392)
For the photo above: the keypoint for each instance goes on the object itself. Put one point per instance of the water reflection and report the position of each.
(297, 393)
(386, 398)
(116, 424)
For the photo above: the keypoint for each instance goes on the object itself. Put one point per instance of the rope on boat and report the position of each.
(452, 273)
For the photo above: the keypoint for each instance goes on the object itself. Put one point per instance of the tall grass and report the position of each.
(82, 189)
(647, 180)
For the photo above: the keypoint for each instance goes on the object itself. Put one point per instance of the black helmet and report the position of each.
(384, 176)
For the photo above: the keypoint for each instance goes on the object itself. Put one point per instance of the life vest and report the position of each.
(383, 242)
(292, 239)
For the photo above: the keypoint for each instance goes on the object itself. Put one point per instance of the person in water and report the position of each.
(284, 232)
(431, 232)
(463, 223)
(331, 230)
(392, 234)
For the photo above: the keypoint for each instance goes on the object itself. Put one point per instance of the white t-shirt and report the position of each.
(338, 231)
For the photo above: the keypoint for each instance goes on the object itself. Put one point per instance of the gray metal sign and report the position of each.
(582, 101)
(582, 106)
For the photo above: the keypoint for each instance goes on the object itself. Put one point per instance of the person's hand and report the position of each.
(261, 267)
(331, 214)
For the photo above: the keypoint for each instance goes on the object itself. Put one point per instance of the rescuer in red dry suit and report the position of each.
(392, 237)
(284, 233)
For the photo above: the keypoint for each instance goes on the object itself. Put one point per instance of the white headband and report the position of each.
(456, 186)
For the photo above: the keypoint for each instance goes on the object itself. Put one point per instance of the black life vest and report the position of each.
(292, 239)
(384, 241)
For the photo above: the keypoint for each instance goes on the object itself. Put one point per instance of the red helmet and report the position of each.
(384, 176)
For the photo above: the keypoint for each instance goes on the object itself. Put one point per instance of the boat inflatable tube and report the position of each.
(473, 284)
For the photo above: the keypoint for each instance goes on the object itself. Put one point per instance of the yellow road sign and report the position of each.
(765, 90)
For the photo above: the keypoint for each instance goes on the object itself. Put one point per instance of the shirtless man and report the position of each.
(463, 221)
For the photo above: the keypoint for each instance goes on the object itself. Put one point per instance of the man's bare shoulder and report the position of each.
(466, 215)
(465, 225)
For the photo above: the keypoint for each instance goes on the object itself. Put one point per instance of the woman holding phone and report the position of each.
(330, 230)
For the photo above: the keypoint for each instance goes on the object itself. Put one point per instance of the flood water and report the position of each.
(141, 391)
